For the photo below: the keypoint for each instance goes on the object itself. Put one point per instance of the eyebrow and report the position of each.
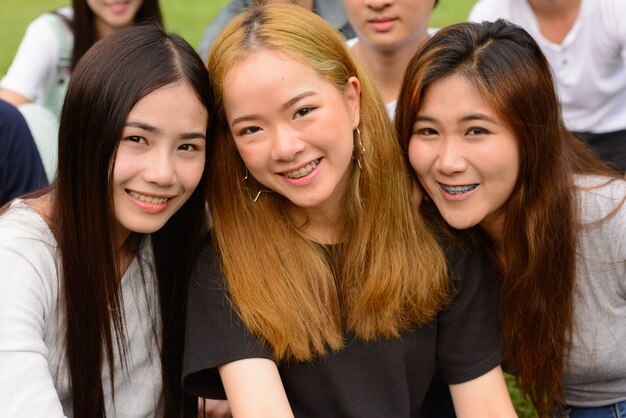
(467, 118)
(282, 107)
(296, 99)
(154, 129)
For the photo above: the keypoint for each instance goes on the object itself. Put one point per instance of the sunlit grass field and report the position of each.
(188, 18)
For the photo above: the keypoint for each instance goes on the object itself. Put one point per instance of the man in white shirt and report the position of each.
(585, 43)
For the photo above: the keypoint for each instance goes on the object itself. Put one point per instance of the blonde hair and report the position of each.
(391, 273)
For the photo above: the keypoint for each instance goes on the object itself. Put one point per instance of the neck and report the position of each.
(555, 17)
(553, 7)
(387, 65)
(103, 30)
(493, 225)
(317, 225)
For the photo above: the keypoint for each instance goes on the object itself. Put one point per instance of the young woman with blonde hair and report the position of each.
(320, 290)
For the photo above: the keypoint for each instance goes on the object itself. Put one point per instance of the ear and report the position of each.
(352, 94)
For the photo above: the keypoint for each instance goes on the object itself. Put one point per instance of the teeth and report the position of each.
(148, 199)
(296, 174)
(458, 189)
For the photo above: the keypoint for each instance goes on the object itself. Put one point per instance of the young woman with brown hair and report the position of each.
(94, 270)
(321, 290)
(481, 125)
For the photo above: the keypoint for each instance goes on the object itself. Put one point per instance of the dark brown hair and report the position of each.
(107, 82)
(536, 255)
(84, 28)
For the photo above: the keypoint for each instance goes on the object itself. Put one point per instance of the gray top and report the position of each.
(331, 10)
(595, 372)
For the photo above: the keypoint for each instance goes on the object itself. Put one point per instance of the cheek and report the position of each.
(192, 173)
(419, 157)
(125, 167)
(503, 164)
(251, 156)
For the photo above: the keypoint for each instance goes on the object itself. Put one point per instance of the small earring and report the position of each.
(358, 147)
(258, 194)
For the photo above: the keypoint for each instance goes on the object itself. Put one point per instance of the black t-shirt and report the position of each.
(385, 378)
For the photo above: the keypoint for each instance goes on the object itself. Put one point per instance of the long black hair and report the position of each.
(108, 81)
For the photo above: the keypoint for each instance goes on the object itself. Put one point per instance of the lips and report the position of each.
(456, 190)
(119, 7)
(301, 172)
(148, 199)
(382, 24)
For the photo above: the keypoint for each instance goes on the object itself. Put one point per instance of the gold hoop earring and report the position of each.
(258, 194)
(358, 149)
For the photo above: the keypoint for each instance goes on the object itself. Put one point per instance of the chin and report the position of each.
(457, 223)
(147, 228)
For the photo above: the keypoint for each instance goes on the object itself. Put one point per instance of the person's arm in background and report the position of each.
(34, 64)
(21, 169)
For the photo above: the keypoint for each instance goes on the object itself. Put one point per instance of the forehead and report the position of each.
(454, 91)
(269, 66)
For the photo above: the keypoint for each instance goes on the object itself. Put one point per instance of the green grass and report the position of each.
(188, 18)
(523, 407)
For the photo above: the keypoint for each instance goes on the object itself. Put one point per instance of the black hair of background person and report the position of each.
(84, 28)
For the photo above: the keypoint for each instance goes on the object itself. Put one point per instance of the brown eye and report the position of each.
(477, 131)
(136, 138)
(303, 111)
(426, 132)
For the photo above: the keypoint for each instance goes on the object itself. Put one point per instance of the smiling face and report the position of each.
(389, 24)
(160, 158)
(293, 129)
(113, 15)
(464, 155)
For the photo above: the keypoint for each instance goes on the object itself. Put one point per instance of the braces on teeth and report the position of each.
(296, 174)
(459, 189)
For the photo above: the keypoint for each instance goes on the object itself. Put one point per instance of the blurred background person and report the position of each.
(21, 170)
(331, 10)
(38, 77)
(388, 34)
(585, 43)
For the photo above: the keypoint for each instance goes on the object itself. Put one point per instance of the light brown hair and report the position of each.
(389, 272)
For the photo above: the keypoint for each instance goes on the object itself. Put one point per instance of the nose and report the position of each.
(377, 4)
(287, 144)
(160, 167)
(451, 157)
